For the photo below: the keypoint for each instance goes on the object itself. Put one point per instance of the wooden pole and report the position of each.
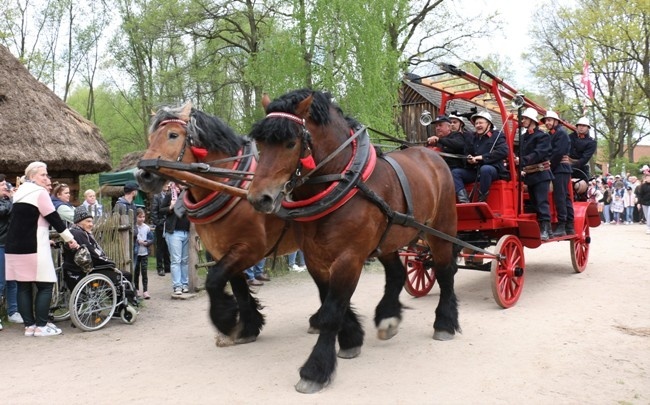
(200, 181)
(194, 247)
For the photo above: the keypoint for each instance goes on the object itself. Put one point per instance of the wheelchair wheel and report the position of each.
(128, 314)
(93, 302)
(60, 306)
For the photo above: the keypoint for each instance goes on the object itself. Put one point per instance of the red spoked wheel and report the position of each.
(580, 248)
(508, 273)
(420, 277)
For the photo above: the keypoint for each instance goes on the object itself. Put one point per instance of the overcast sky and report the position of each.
(513, 39)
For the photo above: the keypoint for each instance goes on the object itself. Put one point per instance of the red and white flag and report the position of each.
(586, 80)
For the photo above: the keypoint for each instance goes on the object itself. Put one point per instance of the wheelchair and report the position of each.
(60, 304)
(96, 299)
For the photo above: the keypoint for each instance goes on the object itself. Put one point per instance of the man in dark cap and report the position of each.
(449, 142)
(73, 272)
(125, 203)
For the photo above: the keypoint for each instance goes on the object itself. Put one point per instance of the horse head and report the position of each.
(301, 128)
(185, 135)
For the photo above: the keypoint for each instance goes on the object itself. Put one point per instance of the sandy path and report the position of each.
(572, 338)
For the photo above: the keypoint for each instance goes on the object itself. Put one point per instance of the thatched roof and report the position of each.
(35, 124)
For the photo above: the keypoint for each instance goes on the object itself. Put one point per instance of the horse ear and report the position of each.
(186, 111)
(266, 100)
(303, 107)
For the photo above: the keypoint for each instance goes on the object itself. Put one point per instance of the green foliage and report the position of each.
(117, 120)
(609, 34)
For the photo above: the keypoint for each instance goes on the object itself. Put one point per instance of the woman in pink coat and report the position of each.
(28, 256)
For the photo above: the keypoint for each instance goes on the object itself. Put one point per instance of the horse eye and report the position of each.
(291, 145)
(173, 135)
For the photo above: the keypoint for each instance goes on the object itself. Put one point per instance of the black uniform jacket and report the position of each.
(535, 148)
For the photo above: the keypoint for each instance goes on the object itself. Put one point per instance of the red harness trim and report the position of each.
(367, 171)
(227, 207)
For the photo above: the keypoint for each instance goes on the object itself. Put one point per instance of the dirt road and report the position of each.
(571, 339)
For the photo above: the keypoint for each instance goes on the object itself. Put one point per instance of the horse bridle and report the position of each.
(305, 153)
(297, 179)
(189, 141)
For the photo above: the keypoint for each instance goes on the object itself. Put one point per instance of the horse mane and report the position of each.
(278, 130)
(208, 130)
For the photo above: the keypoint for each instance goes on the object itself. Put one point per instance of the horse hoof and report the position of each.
(385, 334)
(442, 335)
(222, 340)
(309, 387)
(349, 353)
(244, 340)
(313, 330)
(387, 328)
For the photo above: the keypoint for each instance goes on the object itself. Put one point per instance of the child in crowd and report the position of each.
(617, 208)
(144, 239)
(629, 201)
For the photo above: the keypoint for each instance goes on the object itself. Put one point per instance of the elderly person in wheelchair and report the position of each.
(98, 288)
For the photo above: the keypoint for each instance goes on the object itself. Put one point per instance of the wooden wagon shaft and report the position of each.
(197, 180)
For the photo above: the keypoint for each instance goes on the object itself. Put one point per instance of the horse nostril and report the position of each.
(264, 203)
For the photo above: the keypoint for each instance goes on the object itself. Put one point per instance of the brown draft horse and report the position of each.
(234, 233)
(310, 153)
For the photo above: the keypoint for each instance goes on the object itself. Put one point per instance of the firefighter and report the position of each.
(583, 148)
(561, 168)
(448, 141)
(536, 168)
(486, 151)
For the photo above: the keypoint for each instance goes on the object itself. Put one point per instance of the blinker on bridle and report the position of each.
(198, 152)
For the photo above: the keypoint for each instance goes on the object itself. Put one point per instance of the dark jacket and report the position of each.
(83, 238)
(157, 217)
(494, 149)
(173, 222)
(643, 194)
(5, 211)
(582, 149)
(456, 143)
(535, 148)
(560, 147)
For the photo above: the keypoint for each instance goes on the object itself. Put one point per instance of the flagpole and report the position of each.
(589, 92)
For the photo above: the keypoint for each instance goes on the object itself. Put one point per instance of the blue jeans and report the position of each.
(606, 213)
(292, 258)
(178, 243)
(255, 270)
(628, 213)
(11, 286)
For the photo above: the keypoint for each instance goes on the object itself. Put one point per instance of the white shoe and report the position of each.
(29, 330)
(46, 330)
(15, 318)
(297, 268)
(647, 232)
(53, 326)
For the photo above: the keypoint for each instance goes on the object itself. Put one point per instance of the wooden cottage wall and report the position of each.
(413, 104)
(69, 178)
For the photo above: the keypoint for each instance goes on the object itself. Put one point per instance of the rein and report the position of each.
(406, 144)
(154, 164)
